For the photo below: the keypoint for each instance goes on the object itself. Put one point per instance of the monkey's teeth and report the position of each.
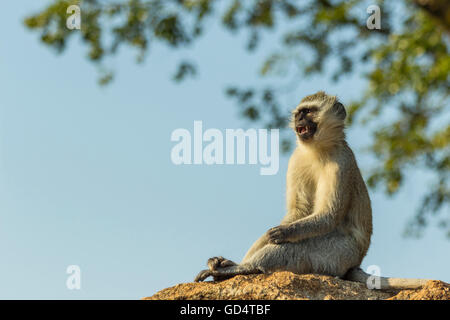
(302, 130)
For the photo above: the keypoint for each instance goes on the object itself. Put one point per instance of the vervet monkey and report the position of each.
(328, 224)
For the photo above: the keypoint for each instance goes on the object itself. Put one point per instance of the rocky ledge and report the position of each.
(290, 286)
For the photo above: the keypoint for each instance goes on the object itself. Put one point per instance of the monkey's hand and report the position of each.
(280, 234)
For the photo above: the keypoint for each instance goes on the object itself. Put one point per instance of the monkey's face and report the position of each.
(305, 124)
(319, 120)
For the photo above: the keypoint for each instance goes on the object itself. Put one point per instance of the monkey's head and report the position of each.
(319, 118)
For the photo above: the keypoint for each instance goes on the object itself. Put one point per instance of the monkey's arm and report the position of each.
(329, 208)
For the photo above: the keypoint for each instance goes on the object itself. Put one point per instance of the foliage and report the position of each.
(407, 64)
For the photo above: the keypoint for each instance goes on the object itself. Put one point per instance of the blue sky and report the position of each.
(86, 177)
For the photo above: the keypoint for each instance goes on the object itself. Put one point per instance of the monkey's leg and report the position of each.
(227, 272)
(332, 254)
(261, 242)
(265, 259)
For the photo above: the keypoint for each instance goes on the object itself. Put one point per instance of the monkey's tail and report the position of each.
(384, 283)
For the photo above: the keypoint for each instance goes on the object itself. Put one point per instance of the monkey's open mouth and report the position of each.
(305, 131)
(302, 130)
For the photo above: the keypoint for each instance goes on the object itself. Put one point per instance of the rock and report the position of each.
(433, 290)
(290, 286)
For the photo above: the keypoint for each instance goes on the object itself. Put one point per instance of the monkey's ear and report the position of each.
(339, 110)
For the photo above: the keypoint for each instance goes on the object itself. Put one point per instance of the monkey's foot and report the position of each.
(202, 275)
(219, 262)
(227, 272)
(216, 274)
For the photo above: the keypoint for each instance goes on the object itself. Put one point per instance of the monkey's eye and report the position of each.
(311, 110)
